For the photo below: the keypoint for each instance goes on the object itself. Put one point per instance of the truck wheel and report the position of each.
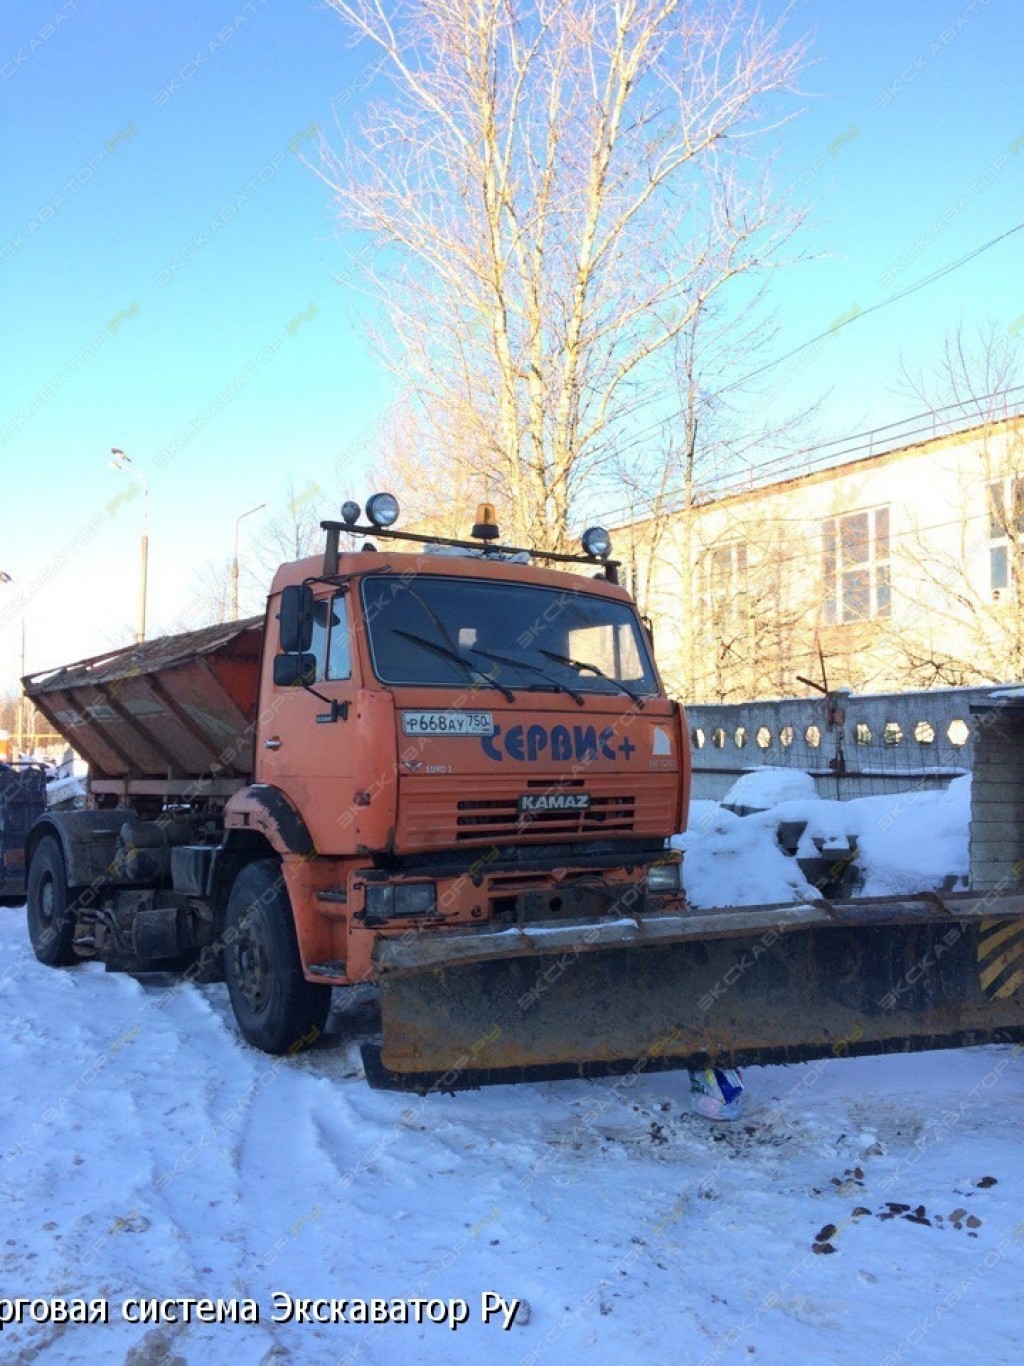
(276, 1008)
(51, 912)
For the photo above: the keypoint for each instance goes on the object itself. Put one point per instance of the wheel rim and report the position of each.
(252, 962)
(46, 902)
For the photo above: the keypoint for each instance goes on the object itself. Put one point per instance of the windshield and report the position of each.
(439, 631)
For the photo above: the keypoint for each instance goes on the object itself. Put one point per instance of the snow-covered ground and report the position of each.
(145, 1152)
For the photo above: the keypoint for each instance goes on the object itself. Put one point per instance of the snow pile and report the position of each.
(766, 787)
(904, 842)
(731, 860)
(64, 792)
(914, 841)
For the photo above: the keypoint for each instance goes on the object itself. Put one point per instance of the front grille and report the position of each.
(501, 818)
(483, 810)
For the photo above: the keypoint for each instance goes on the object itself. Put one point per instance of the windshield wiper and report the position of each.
(446, 653)
(532, 669)
(581, 666)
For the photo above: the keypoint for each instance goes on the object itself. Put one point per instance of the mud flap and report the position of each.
(733, 988)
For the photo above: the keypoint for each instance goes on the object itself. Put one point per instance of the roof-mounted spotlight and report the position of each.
(382, 509)
(350, 513)
(596, 543)
(485, 528)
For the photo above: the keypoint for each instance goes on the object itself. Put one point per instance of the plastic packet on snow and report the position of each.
(716, 1093)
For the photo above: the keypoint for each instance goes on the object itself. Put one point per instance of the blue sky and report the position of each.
(168, 264)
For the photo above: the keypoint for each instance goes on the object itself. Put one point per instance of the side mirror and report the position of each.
(294, 671)
(296, 619)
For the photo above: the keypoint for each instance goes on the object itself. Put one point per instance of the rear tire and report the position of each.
(276, 1008)
(51, 905)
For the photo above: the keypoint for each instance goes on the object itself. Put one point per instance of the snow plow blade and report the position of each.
(731, 987)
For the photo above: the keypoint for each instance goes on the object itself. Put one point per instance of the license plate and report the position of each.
(447, 723)
(554, 801)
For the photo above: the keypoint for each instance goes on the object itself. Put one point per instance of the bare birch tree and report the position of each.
(708, 449)
(434, 469)
(551, 193)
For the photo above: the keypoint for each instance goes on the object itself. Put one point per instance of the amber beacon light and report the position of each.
(485, 528)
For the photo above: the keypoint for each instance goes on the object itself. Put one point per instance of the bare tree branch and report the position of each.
(550, 193)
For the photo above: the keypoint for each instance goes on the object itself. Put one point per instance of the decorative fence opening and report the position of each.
(852, 745)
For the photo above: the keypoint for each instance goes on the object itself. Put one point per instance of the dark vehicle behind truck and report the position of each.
(22, 802)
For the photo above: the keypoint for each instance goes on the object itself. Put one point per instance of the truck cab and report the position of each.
(464, 739)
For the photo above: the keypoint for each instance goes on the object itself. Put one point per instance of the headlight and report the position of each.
(395, 900)
(382, 509)
(597, 542)
(664, 877)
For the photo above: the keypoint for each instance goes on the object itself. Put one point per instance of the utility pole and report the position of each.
(20, 733)
(234, 563)
(125, 462)
(19, 725)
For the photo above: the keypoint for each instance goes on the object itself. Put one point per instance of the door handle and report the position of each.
(272, 743)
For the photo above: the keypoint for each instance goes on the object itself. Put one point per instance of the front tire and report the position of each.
(276, 1008)
(51, 905)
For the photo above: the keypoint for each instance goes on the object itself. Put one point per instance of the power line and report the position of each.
(800, 462)
(874, 308)
(846, 322)
(790, 461)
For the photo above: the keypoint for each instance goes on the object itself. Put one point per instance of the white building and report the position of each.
(903, 569)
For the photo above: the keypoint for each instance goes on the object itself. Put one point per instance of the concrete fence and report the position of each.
(853, 745)
(997, 796)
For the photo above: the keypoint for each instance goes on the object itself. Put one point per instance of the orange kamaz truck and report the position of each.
(451, 768)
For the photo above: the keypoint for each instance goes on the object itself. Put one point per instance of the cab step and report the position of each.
(336, 968)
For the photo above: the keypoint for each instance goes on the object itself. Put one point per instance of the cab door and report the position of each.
(304, 746)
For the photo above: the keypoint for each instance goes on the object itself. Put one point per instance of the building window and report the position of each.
(1005, 524)
(855, 566)
(724, 578)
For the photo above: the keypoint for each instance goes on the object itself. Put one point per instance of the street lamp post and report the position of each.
(234, 563)
(125, 462)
